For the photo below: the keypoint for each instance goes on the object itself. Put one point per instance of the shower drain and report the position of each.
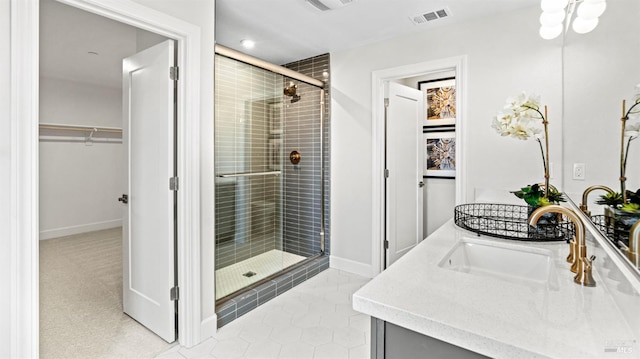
(249, 274)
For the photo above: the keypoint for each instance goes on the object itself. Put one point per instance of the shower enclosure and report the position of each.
(270, 147)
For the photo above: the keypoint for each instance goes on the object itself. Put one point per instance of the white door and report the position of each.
(404, 115)
(148, 220)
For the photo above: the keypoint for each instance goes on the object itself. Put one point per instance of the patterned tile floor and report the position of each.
(314, 320)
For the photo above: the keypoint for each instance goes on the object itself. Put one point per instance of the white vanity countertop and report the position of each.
(500, 318)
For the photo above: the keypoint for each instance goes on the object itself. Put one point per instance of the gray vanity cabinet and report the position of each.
(389, 341)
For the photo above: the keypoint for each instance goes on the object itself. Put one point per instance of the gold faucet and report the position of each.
(583, 207)
(634, 244)
(581, 265)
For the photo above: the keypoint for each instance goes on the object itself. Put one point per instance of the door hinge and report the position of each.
(386, 102)
(173, 73)
(386, 173)
(174, 293)
(386, 244)
(173, 183)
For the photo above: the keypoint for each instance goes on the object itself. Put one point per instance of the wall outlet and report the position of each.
(578, 171)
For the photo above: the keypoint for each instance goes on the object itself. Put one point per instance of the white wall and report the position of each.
(601, 69)
(5, 181)
(146, 39)
(79, 184)
(502, 61)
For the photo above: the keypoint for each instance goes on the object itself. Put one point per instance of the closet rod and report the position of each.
(79, 128)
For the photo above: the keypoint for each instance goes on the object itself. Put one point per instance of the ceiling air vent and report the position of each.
(324, 5)
(429, 16)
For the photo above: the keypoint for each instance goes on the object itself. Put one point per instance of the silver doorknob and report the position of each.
(421, 184)
(124, 199)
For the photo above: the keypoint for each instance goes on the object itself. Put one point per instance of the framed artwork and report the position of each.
(440, 101)
(440, 154)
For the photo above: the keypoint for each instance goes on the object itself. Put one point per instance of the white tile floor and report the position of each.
(314, 320)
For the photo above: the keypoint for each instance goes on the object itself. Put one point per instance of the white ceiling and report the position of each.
(284, 31)
(289, 30)
(67, 35)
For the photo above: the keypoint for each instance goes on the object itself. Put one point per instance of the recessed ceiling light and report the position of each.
(248, 44)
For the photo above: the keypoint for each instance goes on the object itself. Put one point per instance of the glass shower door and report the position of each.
(248, 184)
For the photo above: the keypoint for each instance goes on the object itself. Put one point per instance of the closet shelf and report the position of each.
(54, 129)
(80, 128)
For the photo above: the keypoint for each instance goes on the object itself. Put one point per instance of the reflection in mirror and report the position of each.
(601, 70)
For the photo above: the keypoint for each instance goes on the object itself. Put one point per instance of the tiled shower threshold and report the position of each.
(253, 270)
(234, 306)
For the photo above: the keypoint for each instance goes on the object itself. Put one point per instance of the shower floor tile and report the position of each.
(237, 276)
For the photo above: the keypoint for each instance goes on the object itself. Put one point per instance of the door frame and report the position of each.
(24, 162)
(378, 79)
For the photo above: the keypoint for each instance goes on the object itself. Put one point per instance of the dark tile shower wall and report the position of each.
(247, 208)
(302, 182)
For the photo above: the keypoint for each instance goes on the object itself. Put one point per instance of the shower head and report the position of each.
(291, 89)
(291, 92)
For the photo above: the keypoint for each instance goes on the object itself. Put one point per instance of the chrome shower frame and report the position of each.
(248, 59)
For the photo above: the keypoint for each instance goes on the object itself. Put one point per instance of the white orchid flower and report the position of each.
(519, 117)
(632, 130)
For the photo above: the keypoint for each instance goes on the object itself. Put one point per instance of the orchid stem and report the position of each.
(545, 157)
(623, 160)
(545, 122)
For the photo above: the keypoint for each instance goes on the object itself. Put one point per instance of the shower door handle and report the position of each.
(124, 199)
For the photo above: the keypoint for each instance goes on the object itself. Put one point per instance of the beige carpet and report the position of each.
(81, 301)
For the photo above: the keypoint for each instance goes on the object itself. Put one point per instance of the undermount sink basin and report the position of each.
(512, 262)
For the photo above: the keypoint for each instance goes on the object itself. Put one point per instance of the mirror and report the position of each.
(600, 69)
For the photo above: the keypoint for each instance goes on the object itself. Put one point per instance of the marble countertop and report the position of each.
(504, 318)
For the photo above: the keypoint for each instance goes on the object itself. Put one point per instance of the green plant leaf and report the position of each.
(630, 208)
(613, 199)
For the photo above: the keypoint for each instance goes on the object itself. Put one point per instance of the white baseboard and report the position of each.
(350, 266)
(90, 227)
(208, 327)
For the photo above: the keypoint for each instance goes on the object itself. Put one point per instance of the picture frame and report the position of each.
(439, 154)
(440, 101)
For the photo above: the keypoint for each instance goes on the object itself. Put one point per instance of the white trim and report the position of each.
(378, 79)
(24, 156)
(81, 228)
(209, 327)
(24, 179)
(350, 266)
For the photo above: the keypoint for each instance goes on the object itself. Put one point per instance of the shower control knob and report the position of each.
(294, 157)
